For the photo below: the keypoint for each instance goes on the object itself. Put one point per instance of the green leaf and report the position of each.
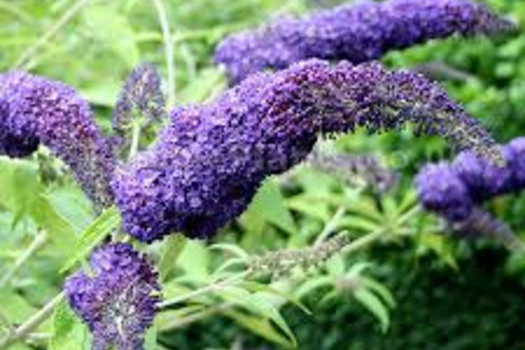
(270, 204)
(336, 266)
(367, 208)
(390, 208)
(106, 223)
(46, 217)
(23, 195)
(379, 289)
(172, 250)
(313, 284)
(304, 204)
(72, 205)
(374, 305)
(257, 304)
(408, 201)
(259, 287)
(200, 88)
(68, 332)
(112, 29)
(103, 92)
(233, 249)
(222, 270)
(19, 184)
(150, 341)
(357, 269)
(259, 326)
(15, 306)
(358, 223)
(195, 260)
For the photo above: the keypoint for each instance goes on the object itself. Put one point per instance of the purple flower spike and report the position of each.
(441, 190)
(207, 165)
(140, 101)
(118, 303)
(358, 32)
(517, 147)
(35, 110)
(142, 95)
(482, 178)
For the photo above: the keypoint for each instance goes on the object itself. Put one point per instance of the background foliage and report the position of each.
(448, 294)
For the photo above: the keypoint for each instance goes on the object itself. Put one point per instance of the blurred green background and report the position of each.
(449, 294)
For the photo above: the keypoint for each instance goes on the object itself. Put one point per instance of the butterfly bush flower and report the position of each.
(35, 110)
(481, 179)
(517, 149)
(208, 163)
(119, 301)
(441, 190)
(140, 101)
(358, 32)
(484, 179)
(455, 190)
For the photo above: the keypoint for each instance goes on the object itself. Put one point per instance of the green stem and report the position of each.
(15, 11)
(38, 242)
(173, 249)
(169, 50)
(32, 323)
(364, 241)
(51, 32)
(135, 139)
(357, 244)
(330, 226)
(206, 289)
(197, 316)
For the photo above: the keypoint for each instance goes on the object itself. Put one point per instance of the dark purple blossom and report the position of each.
(441, 190)
(35, 110)
(484, 179)
(358, 32)
(481, 178)
(208, 163)
(140, 101)
(517, 148)
(119, 301)
(455, 191)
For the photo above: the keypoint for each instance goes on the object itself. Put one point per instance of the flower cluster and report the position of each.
(356, 169)
(34, 110)
(455, 190)
(141, 101)
(118, 302)
(208, 163)
(355, 32)
(280, 263)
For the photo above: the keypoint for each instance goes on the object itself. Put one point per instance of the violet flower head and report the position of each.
(141, 97)
(35, 110)
(517, 148)
(358, 32)
(118, 303)
(17, 135)
(482, 178)
(207, 165)
(478, 181)
(441, 190)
